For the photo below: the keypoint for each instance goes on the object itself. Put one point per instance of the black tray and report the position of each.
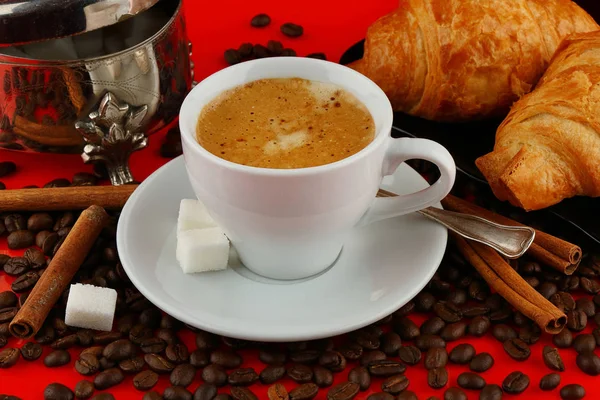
(574, 219)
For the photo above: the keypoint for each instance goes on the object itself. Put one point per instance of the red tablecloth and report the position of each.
(330, 27)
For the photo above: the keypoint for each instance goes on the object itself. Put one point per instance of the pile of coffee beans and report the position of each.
(274, 48)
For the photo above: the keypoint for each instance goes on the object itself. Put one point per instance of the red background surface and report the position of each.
(331, 27)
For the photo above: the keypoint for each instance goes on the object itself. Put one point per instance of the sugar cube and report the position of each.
(200, 250)
(91, 307)
(193, 215)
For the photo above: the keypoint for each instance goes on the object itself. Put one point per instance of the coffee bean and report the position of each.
(563, 301)
(242, 377)
(7, 168)
(260, 51)
(105, 363)
(447, 311)
(470, 380)
(242, 393)
(453, 331)
(84, 389)
(426, 342)
(532, 281)
(491, 392)
(406, 328)
(106, 337)
(200, 358)
(333, 360)
(367, 340)
(60, 326)
(547, 289)
(385, 368)
(153, 345)
(550, 381)
(586, 305)
(395, 384)
(552, 358)
(410, 355)
(207, 392)
(177, 353)
(96, 351)
(45, 335)
(7, 314)
(576, 320)
(31, 351)
(306, 391)
(48, 242)
(517, 349)
(167, 335)
(433, 326)
(275, 47)
(15, 222)
(20, 239)
(471, 311)
(292, 30)
(145, 380)
(177, 393)
(300, 373)
(390, 343)
(58, 391)
(103, 396)
(245, 50)
(503, 332)
(139, 332)
(442, 287)
(158, 363)
(108, 378)
(515, 383)
(288, 53)
(563, 339)
(530, 334)
(590, 286)
(437, 378)
(370, 356)
(132, 365)
(214, 375)
(457, 297)
(119, 350)
(352, 351)
(454, 393)
(478, 291)
(271, 357)
(596, 334)
(305, 356)
(87, 364)
(57, 358)
(572, 392)
(462, 354)
(481, 362)
(16, 266)
(360, 376)
(9, 357)
(232, 57)
(260, 20)
(343, 391)
(405, 310)
(424, 301)
(436, 357)
(150, 317)
(271, 374)
(584, 343)
(40, 222)
(589, 363)
(25, 282)
(152, 396)
(8, 299)
(58, 183)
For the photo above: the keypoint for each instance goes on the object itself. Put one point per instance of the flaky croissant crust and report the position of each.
(456, 60)
(548, 148)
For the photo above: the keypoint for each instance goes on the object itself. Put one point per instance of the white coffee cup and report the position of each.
(292, 223)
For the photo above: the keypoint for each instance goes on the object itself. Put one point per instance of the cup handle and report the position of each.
(399, 151)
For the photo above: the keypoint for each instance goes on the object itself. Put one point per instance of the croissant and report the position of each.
(548, 147)
(456, 60)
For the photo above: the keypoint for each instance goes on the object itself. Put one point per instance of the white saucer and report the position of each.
(381, 268)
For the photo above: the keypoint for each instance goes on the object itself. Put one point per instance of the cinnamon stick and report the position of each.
(505, 281)
(68, 198)
(550, 250)
(59, 273)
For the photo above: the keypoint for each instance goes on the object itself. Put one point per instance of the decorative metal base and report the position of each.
(112, 133)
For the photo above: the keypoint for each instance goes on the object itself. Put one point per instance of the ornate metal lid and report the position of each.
(25, 21)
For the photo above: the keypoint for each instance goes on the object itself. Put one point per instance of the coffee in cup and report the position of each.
(285, 123)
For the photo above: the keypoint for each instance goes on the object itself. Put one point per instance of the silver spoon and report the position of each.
(510, 241)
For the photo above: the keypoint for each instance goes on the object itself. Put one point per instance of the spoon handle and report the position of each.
(510, 241)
